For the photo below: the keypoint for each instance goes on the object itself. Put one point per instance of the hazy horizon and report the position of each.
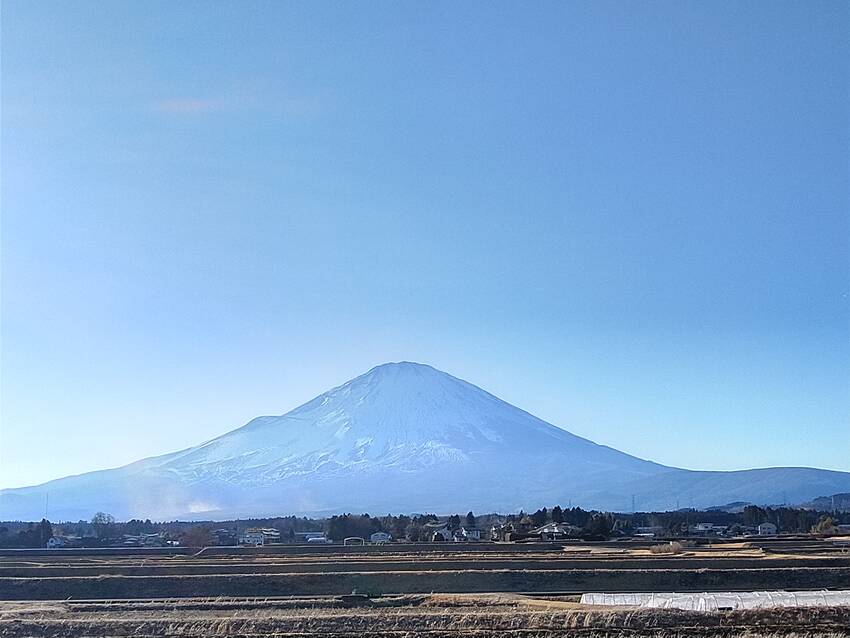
(630, 220)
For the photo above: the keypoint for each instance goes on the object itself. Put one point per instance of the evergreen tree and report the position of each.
(414, 531)
(539, 517)
(400, 526)
(599, 525)
(754, 515)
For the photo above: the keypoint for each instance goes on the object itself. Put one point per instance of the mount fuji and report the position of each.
(402, 438)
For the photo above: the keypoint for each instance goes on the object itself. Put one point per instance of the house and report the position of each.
(60, 541)
(258, 536)
(707, 529)
(443, 534)
(270, 534)
(524, 526)
(649, 532)
(311, 537)
(152, 540)
(554, 531)
(318, 540)
(437, 532)
(224, 536)
(513, 530)
(131, 540)
(380, 538)
(766, 529)
(252, 537)
(470, 533)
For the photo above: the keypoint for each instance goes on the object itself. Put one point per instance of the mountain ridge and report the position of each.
(402, 437)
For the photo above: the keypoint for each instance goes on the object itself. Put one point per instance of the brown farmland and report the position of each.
(497, 589)
(435, 616)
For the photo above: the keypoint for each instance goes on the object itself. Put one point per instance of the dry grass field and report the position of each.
(494, 590)
(435, 616)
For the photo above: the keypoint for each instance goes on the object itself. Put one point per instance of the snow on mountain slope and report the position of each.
(404, 416)
(403, 437)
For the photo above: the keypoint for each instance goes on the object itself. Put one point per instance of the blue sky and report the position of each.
(630, 219)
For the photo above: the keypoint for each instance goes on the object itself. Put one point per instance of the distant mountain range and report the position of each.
(833, 503)
(402, 438)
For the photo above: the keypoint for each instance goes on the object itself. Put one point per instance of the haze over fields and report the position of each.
(402, 438)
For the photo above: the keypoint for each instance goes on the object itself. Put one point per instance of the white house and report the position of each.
(470, 533)
(253, 537)
(304, 537)
(497, 531)
(766, 529)
(650, 532)
(270, 534)
(153, 540)
(554, 531)
(380, 537)
(707, 529)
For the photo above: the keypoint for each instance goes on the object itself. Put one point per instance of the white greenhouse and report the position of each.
(713, 601)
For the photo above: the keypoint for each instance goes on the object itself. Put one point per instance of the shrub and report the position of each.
(673, 547)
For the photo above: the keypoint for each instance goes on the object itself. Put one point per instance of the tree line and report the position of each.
(103, 528)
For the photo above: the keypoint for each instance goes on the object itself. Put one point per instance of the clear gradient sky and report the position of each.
(631, 219)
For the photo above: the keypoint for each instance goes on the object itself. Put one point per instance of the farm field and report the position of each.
(435, 616)
(433, 590)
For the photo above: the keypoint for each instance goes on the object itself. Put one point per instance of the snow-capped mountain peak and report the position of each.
(403, 437)
(402, 415)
